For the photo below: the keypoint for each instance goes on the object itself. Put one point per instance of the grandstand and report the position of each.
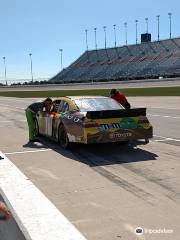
(140, 61)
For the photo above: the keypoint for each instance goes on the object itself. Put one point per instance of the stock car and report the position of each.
(92, 119)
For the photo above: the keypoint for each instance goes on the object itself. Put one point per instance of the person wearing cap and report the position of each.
(6, 214)
(120, 98)
(31, 112)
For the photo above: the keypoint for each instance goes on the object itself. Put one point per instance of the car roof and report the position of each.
(85, 97)
(71, 100)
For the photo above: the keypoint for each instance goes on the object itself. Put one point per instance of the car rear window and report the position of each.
(97, 104)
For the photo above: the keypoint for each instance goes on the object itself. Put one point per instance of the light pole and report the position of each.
(86, 32)
(125, 28)
(136, 21)
(158, 16)
(146, 19)
(104, 36)
(30, 55)
(5, 79)
(61, 51)
(114, 27)
(95, 37)
(170, 17)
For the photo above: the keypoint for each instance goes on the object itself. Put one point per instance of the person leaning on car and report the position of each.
(31, 112)
(120, 98)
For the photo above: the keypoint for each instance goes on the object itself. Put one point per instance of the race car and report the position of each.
(92, 119)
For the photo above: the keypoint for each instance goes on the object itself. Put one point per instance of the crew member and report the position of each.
(31, 112)
(5, 211)
(120, 98)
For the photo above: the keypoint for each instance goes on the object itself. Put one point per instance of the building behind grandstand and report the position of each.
(147, 59)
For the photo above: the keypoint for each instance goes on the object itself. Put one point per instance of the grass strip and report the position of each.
(154, 91)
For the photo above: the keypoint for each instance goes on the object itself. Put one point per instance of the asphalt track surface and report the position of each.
(96, 85)
(106, 190)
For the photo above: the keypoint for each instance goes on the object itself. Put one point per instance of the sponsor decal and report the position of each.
(69, 117)
(129, 123)
(125, 123)
(71, 138)
(76, 119)
(120, 135)
(106, 127)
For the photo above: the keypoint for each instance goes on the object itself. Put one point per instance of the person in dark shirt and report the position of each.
(31, 112)
(120, 98)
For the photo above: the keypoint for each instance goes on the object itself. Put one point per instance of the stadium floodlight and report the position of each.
(105, 41)
(95, 38)
(146, 19)
(30, 55)
(5, 78)
(125, 28)
(136, 21)
(170, 18)
(114, 27)
(86, 32)
(158, 16)
(61, 51)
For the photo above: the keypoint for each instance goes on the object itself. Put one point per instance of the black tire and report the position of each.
(36, 128)
(63, 137)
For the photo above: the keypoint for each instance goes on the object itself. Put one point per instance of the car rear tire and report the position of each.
(63, 137)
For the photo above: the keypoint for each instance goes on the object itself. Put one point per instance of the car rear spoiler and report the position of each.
(133, 112)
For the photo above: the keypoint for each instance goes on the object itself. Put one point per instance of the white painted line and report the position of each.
(29, 151)
(35, 215)
(159, 136)
(166, 138)
(7, 121)
(162, 140)
(11, 107)
(14, 99)
(148, 107)
(164, 116)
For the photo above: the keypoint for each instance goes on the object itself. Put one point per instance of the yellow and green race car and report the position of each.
(92, 119)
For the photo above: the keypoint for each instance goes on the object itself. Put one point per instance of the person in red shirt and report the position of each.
(120, 98)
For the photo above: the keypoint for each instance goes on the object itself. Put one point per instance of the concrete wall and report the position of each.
(9, 230)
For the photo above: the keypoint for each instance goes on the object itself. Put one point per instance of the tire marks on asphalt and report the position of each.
(172, 193)
(104, 166)
(95, 162)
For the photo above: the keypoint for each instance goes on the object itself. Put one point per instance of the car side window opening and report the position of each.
(55, 105)
(63, 107)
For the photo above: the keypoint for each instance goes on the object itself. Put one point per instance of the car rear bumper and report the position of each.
(119, 135)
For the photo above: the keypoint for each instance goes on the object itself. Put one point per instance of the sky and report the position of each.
(42, 27)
